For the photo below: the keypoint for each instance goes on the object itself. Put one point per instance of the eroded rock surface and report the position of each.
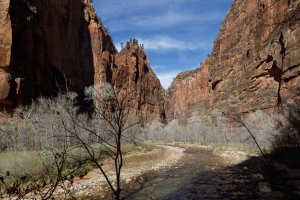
(64, 41)
(132, 71)
(66, 44)
(254, 65)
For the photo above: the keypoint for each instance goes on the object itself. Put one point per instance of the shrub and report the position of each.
(286, 144)
(38, 126)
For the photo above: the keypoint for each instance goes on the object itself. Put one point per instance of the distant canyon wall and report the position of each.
(254, 65)
(132, 71)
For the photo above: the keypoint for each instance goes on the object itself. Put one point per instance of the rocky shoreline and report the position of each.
(136, 164)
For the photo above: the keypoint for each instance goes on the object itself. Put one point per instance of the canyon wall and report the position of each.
(132, 71)
(64, 44)
(254, 65)
(5, 49)
(63, 41)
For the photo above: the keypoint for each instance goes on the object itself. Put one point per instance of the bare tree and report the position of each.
(101, 135)
(39, 128)
(289, 129)
(238, 119)
(59, 128)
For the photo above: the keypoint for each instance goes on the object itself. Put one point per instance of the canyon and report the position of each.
(254, 64)
(66, 46)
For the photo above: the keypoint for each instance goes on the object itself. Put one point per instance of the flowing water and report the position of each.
(200, 175)
(168, 182)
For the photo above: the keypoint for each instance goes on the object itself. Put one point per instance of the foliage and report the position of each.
(131, 42)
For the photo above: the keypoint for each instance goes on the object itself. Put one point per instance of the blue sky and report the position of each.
(177, 34)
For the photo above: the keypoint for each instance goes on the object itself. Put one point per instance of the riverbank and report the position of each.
(136, 164)
(143, 169)
(179, 171)
(232, 154)
(188, 171)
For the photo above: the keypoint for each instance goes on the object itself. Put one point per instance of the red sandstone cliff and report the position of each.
(66, 42)
(255, 63)
(132, 70)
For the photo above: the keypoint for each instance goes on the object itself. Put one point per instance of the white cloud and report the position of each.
(158, 22)
(166, 78)
(110, 9)
(168, 43)
(175, 18)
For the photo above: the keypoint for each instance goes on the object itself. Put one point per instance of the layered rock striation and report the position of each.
(132, 71)
(254, 65)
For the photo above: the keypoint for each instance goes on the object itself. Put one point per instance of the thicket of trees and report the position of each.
(69, 140)
(132, 41)
(216, 129)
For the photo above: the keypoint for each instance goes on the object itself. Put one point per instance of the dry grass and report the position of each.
(21, 163)
(32, 163)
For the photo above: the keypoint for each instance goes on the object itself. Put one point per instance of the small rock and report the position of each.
(264, 187)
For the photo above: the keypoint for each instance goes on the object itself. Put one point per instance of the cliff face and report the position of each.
(132, 71)
(184, 95)
(254, 65)
(64, 41)
(5, 46)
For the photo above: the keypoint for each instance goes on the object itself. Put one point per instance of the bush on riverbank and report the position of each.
(39, 146)
(286, 145)
(218, 131)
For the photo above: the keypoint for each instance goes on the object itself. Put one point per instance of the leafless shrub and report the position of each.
(55, 126)
(37, 127)
(101, 135)
(217, 129)
(288, 139)
(238, 119)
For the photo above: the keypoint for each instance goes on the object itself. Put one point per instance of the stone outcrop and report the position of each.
(254, 65)
(132, 71)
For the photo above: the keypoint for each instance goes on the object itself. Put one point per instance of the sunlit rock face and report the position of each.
(254, 65)
(132, 71)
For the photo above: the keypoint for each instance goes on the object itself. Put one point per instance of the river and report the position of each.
(200, 174)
